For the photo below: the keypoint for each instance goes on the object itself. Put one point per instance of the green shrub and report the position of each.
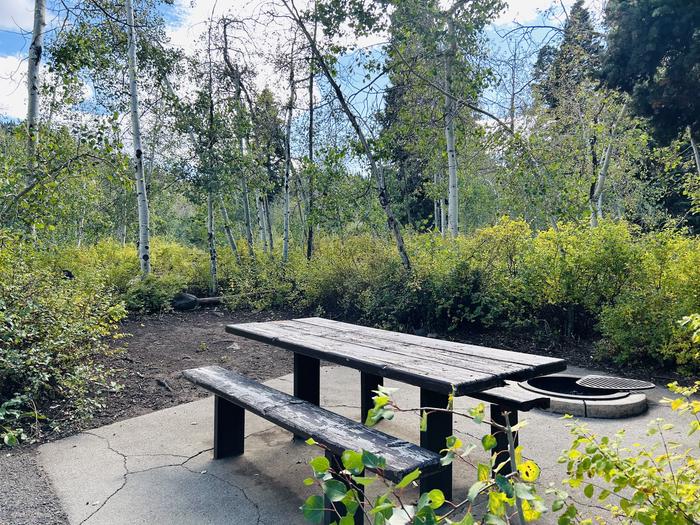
(175, 268)
(261, 282)
(51, 329)
(644, 483)
(153, 293)
(663, 286)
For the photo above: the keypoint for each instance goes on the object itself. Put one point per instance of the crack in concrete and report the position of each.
(230, 484)
(128, 472)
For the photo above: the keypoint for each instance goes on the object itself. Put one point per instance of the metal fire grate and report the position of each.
(614, 383)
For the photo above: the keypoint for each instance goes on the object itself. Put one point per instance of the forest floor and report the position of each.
(157, 348)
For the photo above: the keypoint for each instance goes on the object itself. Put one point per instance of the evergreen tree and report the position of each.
(653, 53)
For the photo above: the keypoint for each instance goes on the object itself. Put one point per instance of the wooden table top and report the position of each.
(434, 364)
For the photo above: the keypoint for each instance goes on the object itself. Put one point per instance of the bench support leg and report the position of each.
(307, 380)
(435, 438)
(502, 451)
(331, 516)
(368, 383)
(229, 428)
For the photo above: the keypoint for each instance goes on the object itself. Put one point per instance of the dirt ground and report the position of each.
(158, 347)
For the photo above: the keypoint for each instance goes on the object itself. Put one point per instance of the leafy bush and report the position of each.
(639, 484)
(51, 328)
(508, 498)
(175, 268)
(612, 282)
(663, 286)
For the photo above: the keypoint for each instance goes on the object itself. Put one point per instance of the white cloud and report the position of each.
(13, 86)
(16, 14)
(524, 11)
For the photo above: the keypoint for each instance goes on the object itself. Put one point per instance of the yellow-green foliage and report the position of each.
(174, 268)
(51, 329)
(639, 484)
(613, 281)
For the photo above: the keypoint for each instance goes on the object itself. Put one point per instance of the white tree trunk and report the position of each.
(227, 228)
(288, 158)
(597, 196)
(247, 218)
(141, 197)
(262, 222)
(453, 190)
(696, 151)
(35, 51)
(268, 222)
(214, 283)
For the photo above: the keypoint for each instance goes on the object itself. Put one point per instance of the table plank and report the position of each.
(457, 359)
(539, 362)
(429, 363)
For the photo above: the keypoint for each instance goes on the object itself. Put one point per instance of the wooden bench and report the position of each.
(509, 399)
(234, 394)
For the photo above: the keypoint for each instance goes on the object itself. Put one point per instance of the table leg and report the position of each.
(435, 438)
(307, 380)
(368, 383)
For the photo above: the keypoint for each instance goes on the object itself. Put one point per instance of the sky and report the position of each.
(185, 22)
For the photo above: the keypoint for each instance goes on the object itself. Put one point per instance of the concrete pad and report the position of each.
(158, 468)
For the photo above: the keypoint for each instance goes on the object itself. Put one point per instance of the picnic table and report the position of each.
(438, 367)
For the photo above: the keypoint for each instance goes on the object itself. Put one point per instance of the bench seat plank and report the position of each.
(305, 419)
(513, 397)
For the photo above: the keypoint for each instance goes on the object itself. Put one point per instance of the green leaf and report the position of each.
(588, 490)
(447, 459)
(364, 480)
(371, 461)
(313, 509)
(352, 461)
(424, 421)
(320, 464)
(408, 479)
(489, 441)
(334, 490)
(475, 489)
(310, 441)
(348, 519)
(505, 486)
(468, 519)
(437, 498)
(524, 491)
(309, 481)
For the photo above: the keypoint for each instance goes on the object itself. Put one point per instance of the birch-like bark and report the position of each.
(246, 217)
(453, 190)
(227, 229)
(268, 222)
(33, 79)
(597, 194)
(375, 170)
(141, 196)
(310, 207)
(696, 151)
(211, 241)
(288, 156)
(262, 227)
